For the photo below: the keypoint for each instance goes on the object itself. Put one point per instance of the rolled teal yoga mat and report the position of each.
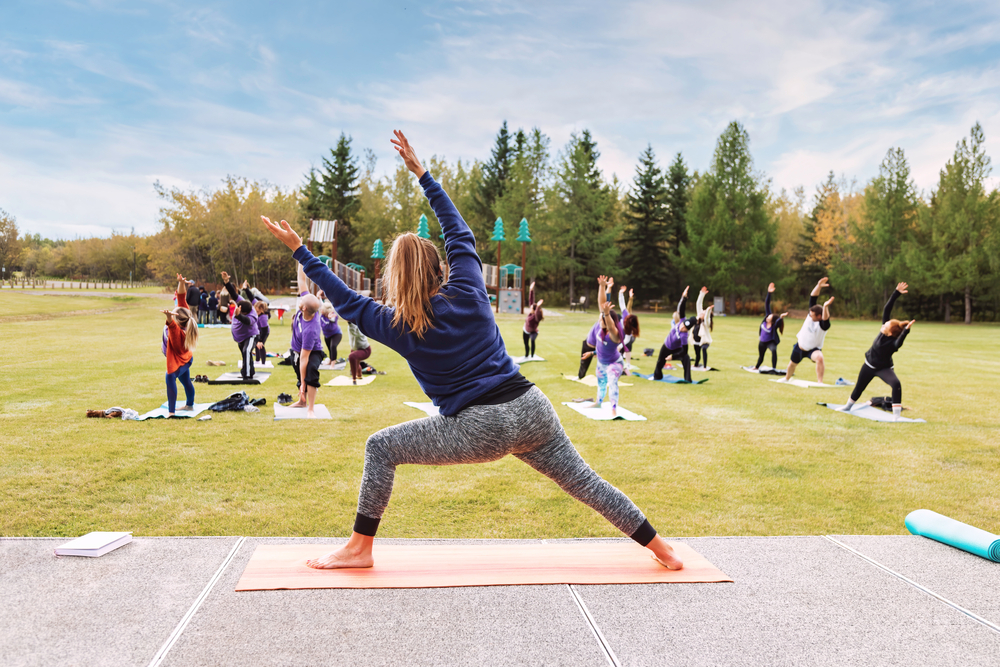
(954, 533)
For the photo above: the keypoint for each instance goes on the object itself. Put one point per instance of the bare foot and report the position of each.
(614, 412)
(311, 414)
(341, 558)
(664, 554)
(298, 404)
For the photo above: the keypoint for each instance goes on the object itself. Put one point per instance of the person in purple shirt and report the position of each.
(590, 342)
(676, 344)
(442, 323)
(307, 351)
(531, 322)
(610, 364)
(329, 320)
(244, 329)
(263, 315)
(770, 329)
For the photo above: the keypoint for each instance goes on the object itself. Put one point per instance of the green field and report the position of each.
(738, 455)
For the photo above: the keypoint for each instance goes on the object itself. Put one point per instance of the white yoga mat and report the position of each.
(874, 414)
(591, 380)
(163, 411)
(256, 364)
(802, 383)
(339, 366)
(431, 409)
(344, 381)
(236, 378)
(524, 360)
(284, 412)
(603, 413)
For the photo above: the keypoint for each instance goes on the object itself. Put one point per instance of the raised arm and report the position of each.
(631, 297)
(903, 334)
(531, 294)
(609, 322)
(682, 304)
(824, 323)
(181, 292)
(621, 301)
(466, 269)
(228, 284)
(602, 297)
(814, 295)
(901, 288)
(700, 304)
(767, 300)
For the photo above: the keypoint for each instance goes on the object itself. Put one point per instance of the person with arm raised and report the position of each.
(447, 332)
(809, 340)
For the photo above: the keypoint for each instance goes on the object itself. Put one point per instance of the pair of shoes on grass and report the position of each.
(201, 378)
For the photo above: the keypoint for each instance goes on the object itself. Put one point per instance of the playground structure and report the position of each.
(498, 279)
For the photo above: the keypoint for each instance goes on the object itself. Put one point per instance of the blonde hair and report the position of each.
(260, 307)
(186, 322)
(413, 274)
(326, 309)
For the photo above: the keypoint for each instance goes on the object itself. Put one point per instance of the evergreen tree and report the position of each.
(312, 195)
(807, 248)
(678, 184)
(495, 174)
(582, 228)
(523, 197)
(339, 200)
(731, 236)
(952, 255)
(648, 232)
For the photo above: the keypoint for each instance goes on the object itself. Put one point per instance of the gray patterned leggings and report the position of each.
(527, 427)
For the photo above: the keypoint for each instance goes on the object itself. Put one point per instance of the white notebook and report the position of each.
(94, 544)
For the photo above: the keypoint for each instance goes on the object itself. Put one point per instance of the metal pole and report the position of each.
(524, 272)
(498, 276)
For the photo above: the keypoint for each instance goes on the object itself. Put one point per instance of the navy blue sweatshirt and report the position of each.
(462, 357)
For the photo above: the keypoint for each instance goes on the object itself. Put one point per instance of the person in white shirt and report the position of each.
(702, 335)
(809, 341)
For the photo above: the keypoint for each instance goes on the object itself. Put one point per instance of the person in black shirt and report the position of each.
(878, 359)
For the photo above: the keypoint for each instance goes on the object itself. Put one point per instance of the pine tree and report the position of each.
(339, 200)
(312, 194)
(647, 234)
(678, 184)
(731, 236)
(495, 174)
(582, 228)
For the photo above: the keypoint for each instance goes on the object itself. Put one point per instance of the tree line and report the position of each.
(725, 227)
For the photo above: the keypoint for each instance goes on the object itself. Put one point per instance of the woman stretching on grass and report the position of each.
(878, 359)
(609, 360)
(630, 325)
(180, 337)
(447, 333)
(770, 330)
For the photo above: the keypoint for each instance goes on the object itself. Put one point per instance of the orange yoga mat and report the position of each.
(283, 566)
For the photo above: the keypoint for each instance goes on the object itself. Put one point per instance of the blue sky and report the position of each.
(99, 99)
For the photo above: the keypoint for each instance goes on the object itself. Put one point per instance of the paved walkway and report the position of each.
(837, 600)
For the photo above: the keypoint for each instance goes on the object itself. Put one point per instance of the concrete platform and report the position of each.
(846, 600)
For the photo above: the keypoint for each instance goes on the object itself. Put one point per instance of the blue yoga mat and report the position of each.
(954, 533)
(670, 379)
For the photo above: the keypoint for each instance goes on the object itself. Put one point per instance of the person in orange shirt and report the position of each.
(180, 337)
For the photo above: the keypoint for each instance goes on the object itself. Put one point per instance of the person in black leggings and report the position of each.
(676, 344)
(878, 359)
(769, 332)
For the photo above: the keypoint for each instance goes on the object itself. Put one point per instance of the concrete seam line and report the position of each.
(608, 652)
(940, 598)
(179, 630)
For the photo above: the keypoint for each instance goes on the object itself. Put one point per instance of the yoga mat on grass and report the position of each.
(591, 380)
(603, 413)
(287, 412)
(431, 409)
(256, 364)
(283, 566)
(344, 381)
(873, 414)
(763, 370)
(702, 369)
(163, 412)
(670, 379)
(215, 326)
(954, 533)
(339, 366)
(236, 378)
(802, 383)
(524, 360)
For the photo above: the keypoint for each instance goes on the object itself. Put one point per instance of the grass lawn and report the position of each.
(738, 455)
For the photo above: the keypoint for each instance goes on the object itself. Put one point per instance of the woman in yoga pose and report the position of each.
(702, 334)
(531, 322)
(878, 359)
(630, 325)
(447, 333)
(770, 328)
(675, 346)
(180, 337)
(809, 340)
(609, 359)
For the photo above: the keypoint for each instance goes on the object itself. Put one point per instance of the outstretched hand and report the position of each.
(686, 291)
(823, 282)
(245, 285)
(621, 289)
(283, 233)
(704, 290)
(406, 152)
(631, 293)
(770, 288)
(539, 303)
(829, 301)
(225, 277)
(782, 316)
(909, 324)
(602, 280)
(901, 288)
